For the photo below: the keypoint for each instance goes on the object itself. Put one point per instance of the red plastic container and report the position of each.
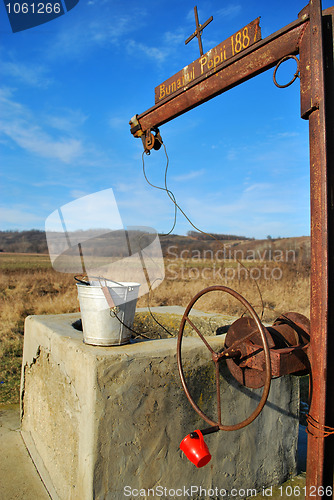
(196, 449)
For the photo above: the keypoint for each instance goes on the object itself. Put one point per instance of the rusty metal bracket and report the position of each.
(151, 137)
(135, 127)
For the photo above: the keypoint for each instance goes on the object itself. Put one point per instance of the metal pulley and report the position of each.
(153, 140)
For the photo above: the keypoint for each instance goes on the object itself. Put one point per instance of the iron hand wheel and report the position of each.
(226, 353)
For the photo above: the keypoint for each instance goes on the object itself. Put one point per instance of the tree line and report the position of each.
(32, 241)
(214, 236)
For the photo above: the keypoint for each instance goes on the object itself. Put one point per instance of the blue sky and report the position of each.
(238, 164)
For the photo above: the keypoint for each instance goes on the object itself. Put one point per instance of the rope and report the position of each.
(314, 428)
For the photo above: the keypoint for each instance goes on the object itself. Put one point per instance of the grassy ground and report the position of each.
(29, 285)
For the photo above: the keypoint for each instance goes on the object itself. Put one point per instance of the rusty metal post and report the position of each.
(320, 451)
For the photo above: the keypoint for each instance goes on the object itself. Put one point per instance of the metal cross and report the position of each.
(198, 31)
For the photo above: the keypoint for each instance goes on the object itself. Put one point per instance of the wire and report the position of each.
(127, 326)
(150, 311)
(170, 194)
(177, 207)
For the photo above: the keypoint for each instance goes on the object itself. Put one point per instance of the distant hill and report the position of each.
(194, 245)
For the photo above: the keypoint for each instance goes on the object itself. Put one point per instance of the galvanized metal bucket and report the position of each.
(101, 324)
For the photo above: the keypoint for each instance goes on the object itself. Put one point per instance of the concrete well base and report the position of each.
(106, 423)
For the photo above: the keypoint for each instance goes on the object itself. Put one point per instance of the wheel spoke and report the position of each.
(218, 394)
(200, 335)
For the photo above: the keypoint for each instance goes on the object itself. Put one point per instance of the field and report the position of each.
(29, 285)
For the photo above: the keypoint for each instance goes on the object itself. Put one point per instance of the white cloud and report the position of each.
(117, 122)
(288, 135)
(68, 121)
(230, 11)
(27, 131)
(64, 183)
(19, 217)
(253, 211)
(188, 176)
(106, 27)
(158, 54)
(175, 38)
(33, 139)
(167, 45)
(76, 193)
(34, 75)
(259, 186)
(139, 204)
(113, 26)
(231, 155)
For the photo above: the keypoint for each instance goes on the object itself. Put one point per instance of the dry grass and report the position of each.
(28, 285)
(276, 288)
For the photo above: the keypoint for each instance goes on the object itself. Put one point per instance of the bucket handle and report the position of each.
(104, 288)
(84, 279)
(79, 280)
